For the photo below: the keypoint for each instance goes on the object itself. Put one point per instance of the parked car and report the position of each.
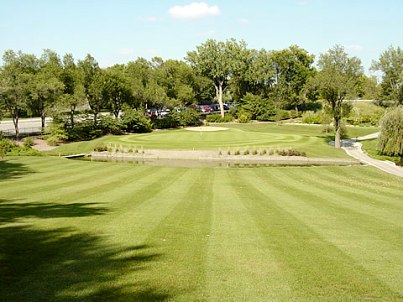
(205, 109)
(216, 107)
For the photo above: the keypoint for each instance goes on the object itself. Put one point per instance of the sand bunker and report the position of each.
(206, 129)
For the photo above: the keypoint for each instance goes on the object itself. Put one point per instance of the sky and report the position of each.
(119, 31)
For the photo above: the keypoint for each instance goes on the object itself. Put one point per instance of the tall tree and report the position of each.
(292, 69)
(117, 88)
(390, 63)
(47, 84)
(93, 82)
(16, 80)
(218, 61)
(338, 77)
(73, 93)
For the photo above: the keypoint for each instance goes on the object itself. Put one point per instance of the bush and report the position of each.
(186, 118)
(216, 118)
(321, 117)
(56, 133)
(6, 146)
(28, 142)
(135, 121)
(167, 122)
(110, 125)
(101, 148)
(244, 116)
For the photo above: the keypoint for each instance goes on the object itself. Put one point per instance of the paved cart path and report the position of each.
(353, 148)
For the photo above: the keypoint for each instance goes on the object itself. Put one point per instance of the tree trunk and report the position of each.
(15, 122)
(220, 92)
(43, 117)
(72, 111)
(337, 140)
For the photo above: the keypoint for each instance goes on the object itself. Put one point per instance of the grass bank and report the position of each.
(85, 231)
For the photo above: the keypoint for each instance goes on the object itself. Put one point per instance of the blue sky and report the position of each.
(117, 31)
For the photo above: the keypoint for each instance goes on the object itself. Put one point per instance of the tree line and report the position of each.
(260, 81)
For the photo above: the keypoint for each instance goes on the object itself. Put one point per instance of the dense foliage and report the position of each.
(390, 141)
(263, 83)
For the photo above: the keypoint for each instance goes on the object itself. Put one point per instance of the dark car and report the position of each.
(216, 107)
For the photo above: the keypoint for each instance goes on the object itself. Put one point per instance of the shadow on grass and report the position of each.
(10, 211)
(9, 169)
(62, 264)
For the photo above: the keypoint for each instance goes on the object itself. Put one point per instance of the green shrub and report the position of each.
(167, 122)
(6, 146)
(187, 117)
(55, 133)
(136, 121)
(110, 125)
(310, 117)
(320, 117)
(216, 118)
(244, 116)
(28, 142)
(101, 148)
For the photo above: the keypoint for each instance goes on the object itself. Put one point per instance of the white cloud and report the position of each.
(193, 11)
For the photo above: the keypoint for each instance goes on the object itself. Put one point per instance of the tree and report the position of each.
(390, 141)
(16, 80)
(292, 69)
(338, 77)
(47, 84)
(218, 61)
(93, 82)
(390, 63)
(73, 94)
(117, 89)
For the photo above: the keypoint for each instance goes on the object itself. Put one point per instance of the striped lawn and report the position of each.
(86, 231)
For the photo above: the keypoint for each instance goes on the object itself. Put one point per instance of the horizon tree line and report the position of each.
(216, 71)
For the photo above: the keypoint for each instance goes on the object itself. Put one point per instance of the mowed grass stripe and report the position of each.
(321, 271)
(240, 265)
(353, 236)
(349, 199)
(317, 196)
(358, 192)
(360, 184)
(181, 239)
(84, 183)
(68, 177)
(137, 208)
(370, 177)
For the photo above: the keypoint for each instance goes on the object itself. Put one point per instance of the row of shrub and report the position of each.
(131, 121)
(264, 151)
(9, 147)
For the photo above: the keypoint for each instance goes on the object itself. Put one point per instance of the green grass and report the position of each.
(308, 139)
(85, 231)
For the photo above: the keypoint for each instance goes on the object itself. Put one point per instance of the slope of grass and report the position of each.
(309, 139)
(85, 231)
